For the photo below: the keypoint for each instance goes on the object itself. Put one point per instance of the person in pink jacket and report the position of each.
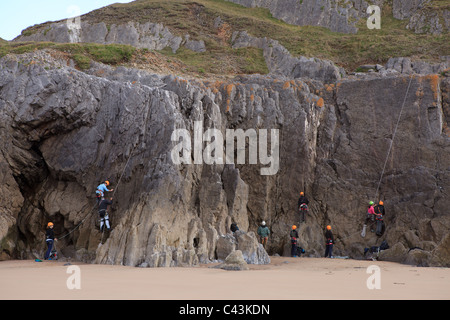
(369, 218)
(370, 212)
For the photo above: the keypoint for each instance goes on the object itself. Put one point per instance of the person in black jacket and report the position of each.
(234, 227)
(302, 206)
(49, 239)
(329, 243)
(103, 214)
(379, 214)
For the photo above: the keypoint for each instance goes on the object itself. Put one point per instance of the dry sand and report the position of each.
(284, 279)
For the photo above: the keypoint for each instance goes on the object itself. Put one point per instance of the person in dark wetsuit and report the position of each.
(302, 206)
(329, 243)
(49, 239)
(103, 213)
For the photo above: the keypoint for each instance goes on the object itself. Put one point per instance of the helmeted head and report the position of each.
(380, 203)
(263, 223)
(50, 225)
(370, 203)
(107, 183)
(294, 227)
(301, 193)
(328, 227)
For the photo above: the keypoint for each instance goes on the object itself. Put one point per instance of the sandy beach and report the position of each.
(284, 278)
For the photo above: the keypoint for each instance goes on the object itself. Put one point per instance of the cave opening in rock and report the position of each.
(196, 242)
(33, 177)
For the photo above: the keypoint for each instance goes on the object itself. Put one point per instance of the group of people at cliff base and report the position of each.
(375, 214)
(296, 250)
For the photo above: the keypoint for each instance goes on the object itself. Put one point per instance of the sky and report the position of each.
(16, 15)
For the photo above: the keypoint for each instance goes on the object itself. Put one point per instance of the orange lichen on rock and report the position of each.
(320, 102)
(434, 82)
(230, 89)
(419, 93)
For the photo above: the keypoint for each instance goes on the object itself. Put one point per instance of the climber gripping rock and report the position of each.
(101, 189)
(103, 214)
(302, 206)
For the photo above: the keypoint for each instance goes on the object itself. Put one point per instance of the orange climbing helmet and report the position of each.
(107, 183)
(50, 224)
(328, 227)
(294, 227)
(380, 203)
(301, 193)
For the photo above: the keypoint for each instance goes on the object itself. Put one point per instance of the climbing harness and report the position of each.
(303, 210)
(54, 252)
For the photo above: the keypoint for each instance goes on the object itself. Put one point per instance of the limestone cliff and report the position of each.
(425, 16)
(63, 131)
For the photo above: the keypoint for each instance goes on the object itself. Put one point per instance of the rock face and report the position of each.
(405, 65)
(63, 131)
(152, 36)
(342, 16)
(234, 261)
(252, 251)
(423, 16)
(280, 62)
(334, 15)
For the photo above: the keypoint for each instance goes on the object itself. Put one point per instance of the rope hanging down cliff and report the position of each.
(380, 222)
(393, 136)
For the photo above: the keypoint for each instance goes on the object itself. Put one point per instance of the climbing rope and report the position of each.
(115, 189)
(76, 227)
(123, 171)
(392, 140)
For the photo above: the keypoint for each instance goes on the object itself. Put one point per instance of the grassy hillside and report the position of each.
(196, 18)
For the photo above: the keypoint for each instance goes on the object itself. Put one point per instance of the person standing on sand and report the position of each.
(294, 240)
(49, 239)
(263, 232)
(329, 243)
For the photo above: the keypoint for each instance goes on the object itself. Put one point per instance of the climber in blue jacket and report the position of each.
(101, 189)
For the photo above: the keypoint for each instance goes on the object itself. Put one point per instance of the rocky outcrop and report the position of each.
(63, 131)
(431, 21)
(252, 251)
(423, 16)
(334, 15)
(402, 9)
(343, 16)
(234, 261)
(408, 66)
(152, 36)
(281, 63)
